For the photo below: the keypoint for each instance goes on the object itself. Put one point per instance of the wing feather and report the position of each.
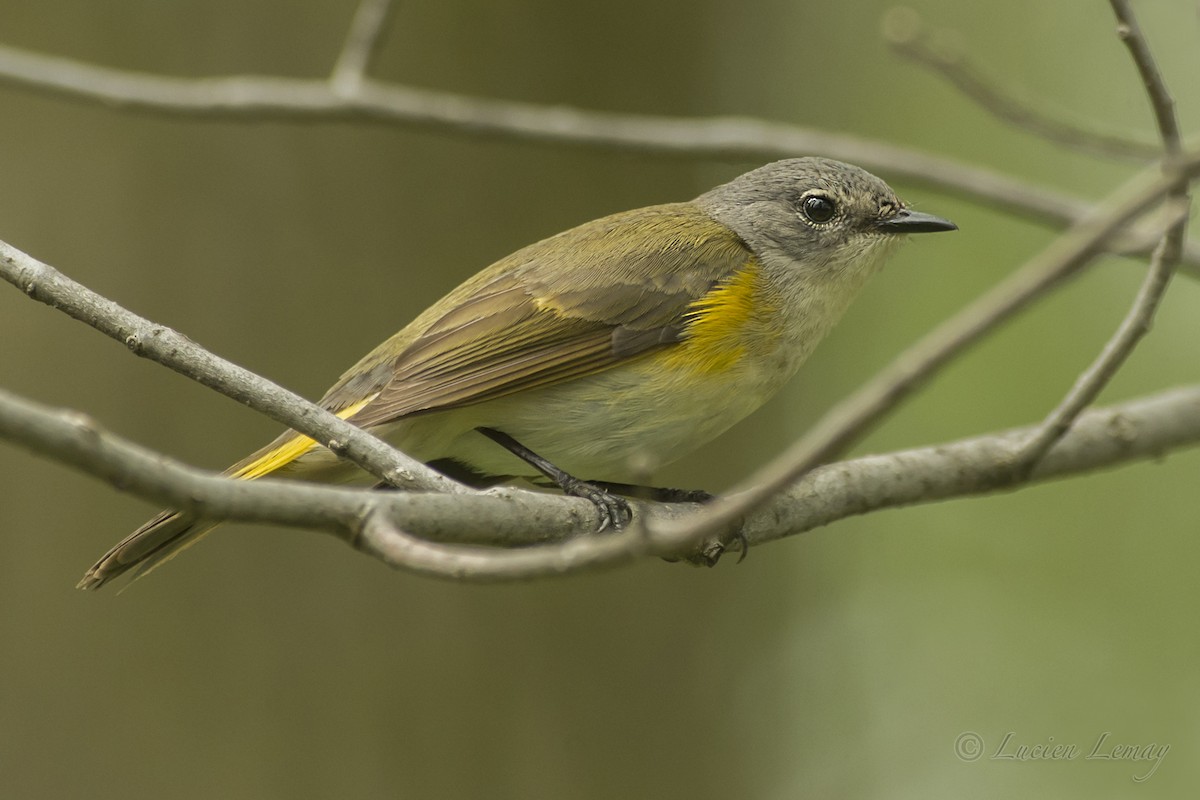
(551, 313)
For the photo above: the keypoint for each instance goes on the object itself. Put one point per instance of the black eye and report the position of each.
(818, 208)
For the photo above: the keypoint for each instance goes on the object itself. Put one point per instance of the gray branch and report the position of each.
(360, 45)
(171, 349)
(258, 97)
(909, 37)
(1162, 262)
(461, 537)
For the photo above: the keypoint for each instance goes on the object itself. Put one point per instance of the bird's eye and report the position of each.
(818, 208)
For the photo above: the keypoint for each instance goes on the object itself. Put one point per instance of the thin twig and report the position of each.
(906, 32)
(856, 413)
(171, 349)
(258, 97)
(1163, 262)
(1156, 88)
(360, 45)
(1133, 327)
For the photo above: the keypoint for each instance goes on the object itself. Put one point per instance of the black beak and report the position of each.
(915, 222)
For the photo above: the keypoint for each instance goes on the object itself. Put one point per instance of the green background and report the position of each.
(843, 663)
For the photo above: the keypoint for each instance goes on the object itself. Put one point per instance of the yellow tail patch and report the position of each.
(290, 450)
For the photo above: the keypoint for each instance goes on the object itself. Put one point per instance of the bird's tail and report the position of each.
(150, 545)
(167, 534)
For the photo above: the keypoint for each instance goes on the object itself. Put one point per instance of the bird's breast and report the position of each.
(737, 322)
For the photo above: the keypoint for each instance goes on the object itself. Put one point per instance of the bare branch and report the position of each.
(1137, 321)
(1101, 437)
(373, 522)
(359, 48)
(380, 538)
(171, 349)
(504, 518)
(852, 416)
(386, 524)
(906, 32)
(74, 439)
(1133, 327)
(257, 97)
(1160, 99)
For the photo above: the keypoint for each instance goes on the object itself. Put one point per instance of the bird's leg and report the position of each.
(614, 511)
(657, 494)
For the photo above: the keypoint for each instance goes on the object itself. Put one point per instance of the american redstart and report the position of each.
(606, 350)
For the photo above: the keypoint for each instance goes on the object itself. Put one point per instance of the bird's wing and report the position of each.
(569, 306)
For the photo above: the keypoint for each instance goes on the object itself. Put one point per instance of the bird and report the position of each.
(595, 355)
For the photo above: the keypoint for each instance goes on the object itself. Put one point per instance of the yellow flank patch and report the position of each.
(718, 331)
(290, 450)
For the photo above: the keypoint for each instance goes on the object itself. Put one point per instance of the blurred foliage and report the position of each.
(844, 663)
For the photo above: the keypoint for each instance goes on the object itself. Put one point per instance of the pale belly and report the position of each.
(620, 425)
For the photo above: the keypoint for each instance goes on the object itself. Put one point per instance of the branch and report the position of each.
(171, 349)
(1137, 321)
(1160, 99)
(257, 97)
(359, 48)
(1133, 327)
(387, 525)
(1142, 428)
(906, 32)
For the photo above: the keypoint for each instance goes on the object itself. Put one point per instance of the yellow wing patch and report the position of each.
(290, 450)
(718, 325)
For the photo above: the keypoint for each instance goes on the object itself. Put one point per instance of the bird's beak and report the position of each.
(908, 221)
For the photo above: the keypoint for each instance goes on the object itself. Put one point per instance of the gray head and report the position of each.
(823, 214)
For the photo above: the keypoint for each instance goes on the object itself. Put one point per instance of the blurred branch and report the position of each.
(1160, 99)
(257, 97)
(1137, 321)
(852, 416)
(171, 349)
(387, 525)
(360, 45)
(1133, 327)
(909, 37)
